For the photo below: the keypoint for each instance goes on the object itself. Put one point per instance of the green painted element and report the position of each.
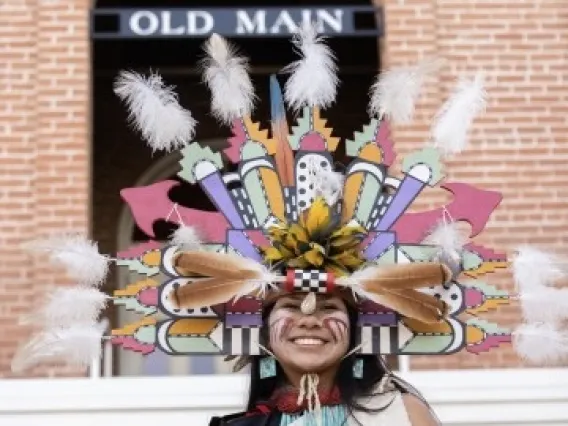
(471, 260)
(427, 344)
(487, 289)
(135, 265)
(132, 304)
(267, 367)
(146, 334)
(299, 130)
(360, 139)
(418, 253)
(193, 154)
(429, 156)
(255, 191)
(488, 327)
(367, 197)
(192, 345)
(388, 258)
(252, 149)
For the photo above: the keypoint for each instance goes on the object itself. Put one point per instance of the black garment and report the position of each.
(241, 419)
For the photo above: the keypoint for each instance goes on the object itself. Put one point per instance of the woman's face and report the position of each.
(309, 343)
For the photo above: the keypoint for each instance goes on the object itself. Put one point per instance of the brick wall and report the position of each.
(44, 161)
(45, 80)
(520, 146)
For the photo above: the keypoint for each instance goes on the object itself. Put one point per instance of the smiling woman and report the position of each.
(310, 369)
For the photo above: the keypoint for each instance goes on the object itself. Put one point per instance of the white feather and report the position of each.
(325, 183)
(313, 80)
(534, 268)
(395, 92)
(75, 346)
(447, 237)
(69, 306)
(227, 76)
(545, 304)
(78, 255)
(187, 237)
(155, 111)
(354, 282)
(541, 344)
(453, 121)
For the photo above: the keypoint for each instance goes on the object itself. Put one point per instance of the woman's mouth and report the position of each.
(308, 341)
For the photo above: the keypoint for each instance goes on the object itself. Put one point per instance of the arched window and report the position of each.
(121, 160)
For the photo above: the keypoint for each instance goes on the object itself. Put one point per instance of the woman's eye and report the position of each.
(330, 307)
(290, 306)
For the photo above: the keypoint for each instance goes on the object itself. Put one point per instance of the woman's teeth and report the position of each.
(308, 341)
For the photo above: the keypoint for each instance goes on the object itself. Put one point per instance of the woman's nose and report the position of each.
(309, 321)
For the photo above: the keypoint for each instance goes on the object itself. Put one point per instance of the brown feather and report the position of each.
(210, 264)
(284, 156)
(406, 276)
(409, 307)
(208, 292)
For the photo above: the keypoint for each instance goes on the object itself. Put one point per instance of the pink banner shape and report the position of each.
(312, 141)
(129, 342)
(233, 151)
(138, 250)
(470, 204)
(151, 203)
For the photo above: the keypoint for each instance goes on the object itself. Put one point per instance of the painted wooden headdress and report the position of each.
(289, 220)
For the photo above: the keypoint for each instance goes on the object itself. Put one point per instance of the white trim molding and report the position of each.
(519, 397)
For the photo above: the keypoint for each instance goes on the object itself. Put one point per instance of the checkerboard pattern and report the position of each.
(309, 281)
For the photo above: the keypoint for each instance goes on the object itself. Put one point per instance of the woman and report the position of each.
(315, 346)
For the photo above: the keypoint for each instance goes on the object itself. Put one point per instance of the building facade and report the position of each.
(66, 150)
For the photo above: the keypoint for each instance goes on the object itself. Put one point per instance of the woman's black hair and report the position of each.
(350, 388)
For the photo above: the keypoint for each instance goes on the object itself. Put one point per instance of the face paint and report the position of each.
(338, 326)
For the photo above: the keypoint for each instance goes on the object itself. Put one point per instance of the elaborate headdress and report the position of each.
(289, 220)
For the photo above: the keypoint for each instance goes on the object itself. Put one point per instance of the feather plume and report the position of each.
(450, 242)
(77, 346)
(212, 291)
(313, 80)
(80, 256)
(397, 277)
(154, 110)
(227, 76)
(545, 304)
(454, 119)
(69, 306)
(284, 156)
(534, 269)
(186, 237)
(541, 344)
(396, 91)
(211, 264)
(325, 183)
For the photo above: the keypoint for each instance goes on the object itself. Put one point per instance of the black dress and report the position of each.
(247, 419)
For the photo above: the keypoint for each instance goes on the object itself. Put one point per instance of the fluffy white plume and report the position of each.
(541, 344)
(155, 111)
(447, 237)
(395, 92)
(325, 183)
(546, 304)
(75, 346)
(452, 124)
(78, 255)
(69, 306)
(227, 76)
(534, 269)
(313, 80)
(187, 237)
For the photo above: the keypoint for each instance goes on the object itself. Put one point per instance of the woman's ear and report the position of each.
(418, 412)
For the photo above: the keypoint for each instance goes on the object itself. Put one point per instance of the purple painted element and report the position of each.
(237, 240)
(148, 296)
(243, 320)
(470, 204)
(379, 245)
(152, 203)
(385, 319)
(409, 188)
(312, 141)
(490, 341)
(474, 297)
(217, 192)
(157, 364)
(383, 140)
